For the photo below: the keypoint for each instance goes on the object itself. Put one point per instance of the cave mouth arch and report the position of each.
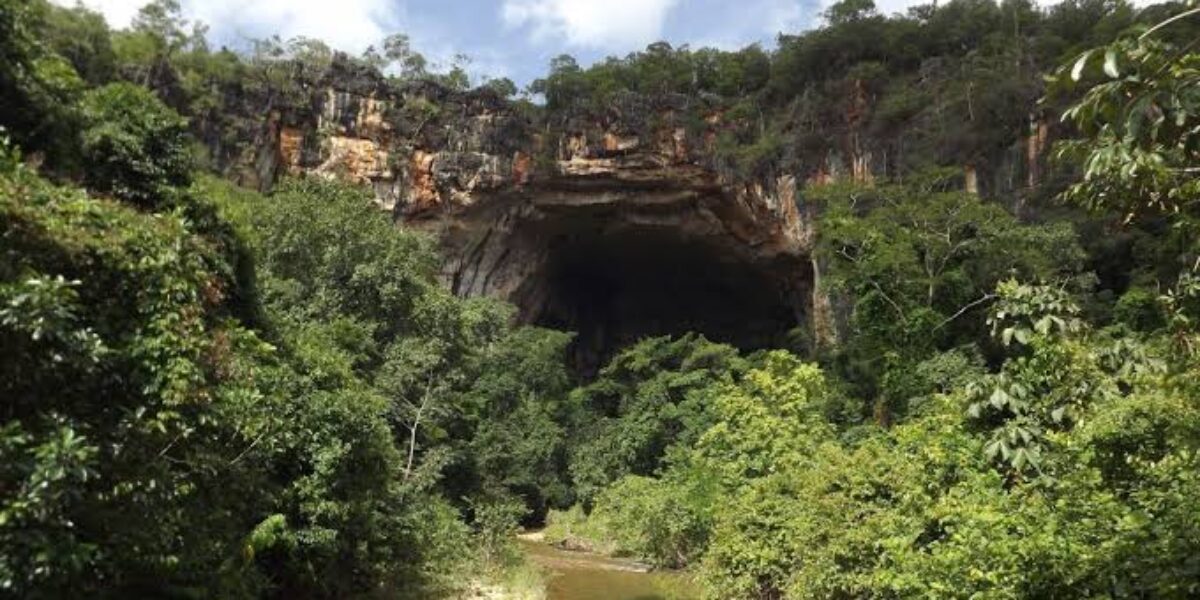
(614, 281)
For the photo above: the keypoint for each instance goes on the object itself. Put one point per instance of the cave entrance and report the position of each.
(615, 282)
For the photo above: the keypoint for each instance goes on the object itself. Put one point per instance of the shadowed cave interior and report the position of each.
(615, 282)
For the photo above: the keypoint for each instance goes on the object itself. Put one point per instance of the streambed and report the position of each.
(573, 575)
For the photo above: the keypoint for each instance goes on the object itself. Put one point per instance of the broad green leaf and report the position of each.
(1022, 335)
(1077, 70)
(999, 398)
(1057, 414)
(1043, 325)
(1110, 63)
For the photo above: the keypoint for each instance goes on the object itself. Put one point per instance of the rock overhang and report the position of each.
(618, 254)
(607, 226)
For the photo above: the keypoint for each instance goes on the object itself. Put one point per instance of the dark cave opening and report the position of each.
(614, 283)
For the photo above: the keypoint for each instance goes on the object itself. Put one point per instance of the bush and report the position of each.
(135, 146)
(1139, 309)
(131, 404)
(652, 400)
(666, 522)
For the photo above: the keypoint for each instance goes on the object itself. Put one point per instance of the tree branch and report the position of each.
(412, 430)
(964, 309)
(1182, 15)
(254, 443)
(889, 300)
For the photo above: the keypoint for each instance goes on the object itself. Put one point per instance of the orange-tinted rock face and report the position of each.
(971, 179)
(575, 145)
(1035, 148)
(422, 192)
(291, 141)
(354, 115)
(860, 167)
(355, 159)
(606, 195)
(672, 143)
(522, 168)
(679, 139)
(370, 121)
(614, 143)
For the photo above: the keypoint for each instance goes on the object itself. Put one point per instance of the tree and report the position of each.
(848, 11)
(562, 85)
(504, 87)
(378, 359)
(457, 77)
(137, 147)
(1141, 124)
(82, 37)
(313, 55)
(163, 21)
(651, 401)
(920, 265)
(38, 88)
(519, 417)
(398, 51)
(131, 410)
(1037, 394)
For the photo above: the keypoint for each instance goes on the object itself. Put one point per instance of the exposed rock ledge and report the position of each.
(622, 248)
(613, 229)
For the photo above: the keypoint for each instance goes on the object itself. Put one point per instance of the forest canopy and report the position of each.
(208, 390)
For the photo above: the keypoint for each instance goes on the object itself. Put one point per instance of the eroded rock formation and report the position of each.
(621, 248)
(605, 225)
(618, 224)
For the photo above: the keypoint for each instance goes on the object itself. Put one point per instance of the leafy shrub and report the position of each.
(1139, 309)
(135, 146)
(665, 521)
(652, 400)
(130, 406)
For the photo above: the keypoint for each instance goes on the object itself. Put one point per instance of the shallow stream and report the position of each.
(575, 575)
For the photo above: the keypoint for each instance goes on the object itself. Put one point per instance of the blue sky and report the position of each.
(504, 38)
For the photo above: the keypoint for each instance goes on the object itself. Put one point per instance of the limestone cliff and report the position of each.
(605, 224)
(617, 224)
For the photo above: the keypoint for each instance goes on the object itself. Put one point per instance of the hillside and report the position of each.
(902, 306)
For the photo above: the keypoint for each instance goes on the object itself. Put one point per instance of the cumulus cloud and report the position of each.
(889, 7)
(487, 29)
(346, 24)
(590, 23)
(786, 15)
(118, 13)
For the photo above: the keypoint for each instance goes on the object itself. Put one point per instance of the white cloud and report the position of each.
(118, 13)
(345, 24)
(590, 23)
(784, 15)
(889, 7)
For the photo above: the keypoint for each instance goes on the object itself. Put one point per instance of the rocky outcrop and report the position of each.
(619, 241)
(616, 225)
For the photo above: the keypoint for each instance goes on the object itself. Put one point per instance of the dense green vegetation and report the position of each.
(945, 84)
(210, 392)
(1001, 422)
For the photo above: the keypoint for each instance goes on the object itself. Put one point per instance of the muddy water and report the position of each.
(585, 576)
